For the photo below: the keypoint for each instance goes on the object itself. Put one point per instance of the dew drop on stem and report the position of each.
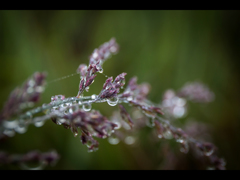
(94, 96)
(9, 132)
(75, 134)
(52, 98)
(10, 124)
(22, 127)
(87, 107)
(87, 88)
(150, 123)
(39, 123)
(208, 152)
(167, 134)
(29, 115)
(112, 101)
(32, 166)
(79, 102)
(100, 70)
(180, 140)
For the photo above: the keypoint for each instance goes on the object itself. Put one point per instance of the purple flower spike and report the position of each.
(111, 89)
(81, 85)
(108, 82)
(120, 77)
(95, 64)
(90, 80)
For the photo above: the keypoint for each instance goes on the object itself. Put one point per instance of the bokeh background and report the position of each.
(164, 48)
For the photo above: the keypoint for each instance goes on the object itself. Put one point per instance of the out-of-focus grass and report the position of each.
(164, 48)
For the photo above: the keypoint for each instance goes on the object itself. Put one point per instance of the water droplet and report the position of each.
(75, 134)
(70, 110)
(108, 130)
(39, 123)
(100, 70)
(10, 124)
(89, 143)
(208, 152)
(118, 124)
(208, 149)
(167, 134)
(69, 104)
(93, 149)
(113, 140)
(60, 97)
(46, 111)
(65, 100)
(53, 98)
(60, 121)
(74, 102)
(150, 123)
(44, 105)
(63, 105)
(32, 165)
(87, 107)
(22, 127)
(55, 108)
(9, 132)
(129, 140)
(29, 115)
(29, 90)
(94, 96)
(160, 136)
(180, 140)
(31, 83)
(112, 101)
(87, 88)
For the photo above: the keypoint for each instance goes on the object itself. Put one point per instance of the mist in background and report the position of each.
(164, 48)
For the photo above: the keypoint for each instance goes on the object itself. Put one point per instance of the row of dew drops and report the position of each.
(20, 126)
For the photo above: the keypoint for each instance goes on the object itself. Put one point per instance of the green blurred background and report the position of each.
(164, 48)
